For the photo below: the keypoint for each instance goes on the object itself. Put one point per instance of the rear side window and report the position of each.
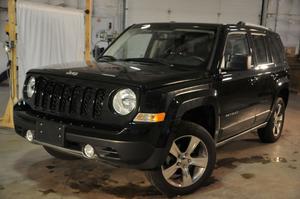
(260, 49)
(276, 49)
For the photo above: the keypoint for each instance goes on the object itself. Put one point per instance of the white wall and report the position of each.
(220, 11)
(287, 22)
(213, 11)
(3, 38)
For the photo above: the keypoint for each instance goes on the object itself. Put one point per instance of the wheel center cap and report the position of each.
(185, 163)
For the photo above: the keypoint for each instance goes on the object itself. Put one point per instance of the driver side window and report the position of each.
(236, 52)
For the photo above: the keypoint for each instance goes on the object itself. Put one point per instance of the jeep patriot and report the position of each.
(161, 98)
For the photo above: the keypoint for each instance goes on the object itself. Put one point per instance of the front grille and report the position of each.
(108, 152)
(68, 100)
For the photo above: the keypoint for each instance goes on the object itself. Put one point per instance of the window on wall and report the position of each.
(260, 49)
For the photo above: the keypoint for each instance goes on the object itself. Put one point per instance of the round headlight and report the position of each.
(124, 101)
(30, 88)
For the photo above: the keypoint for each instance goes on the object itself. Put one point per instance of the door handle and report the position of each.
(253, 80)
(274, 76)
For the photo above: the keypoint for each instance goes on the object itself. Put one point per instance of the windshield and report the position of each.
(173, 45)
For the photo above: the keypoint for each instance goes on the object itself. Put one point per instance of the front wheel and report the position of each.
(189, 164)
(272, 132)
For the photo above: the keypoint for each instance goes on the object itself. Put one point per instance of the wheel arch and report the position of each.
(201, 110)
(284, 93)
(282, 89)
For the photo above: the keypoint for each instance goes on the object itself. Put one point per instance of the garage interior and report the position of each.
(245, 168)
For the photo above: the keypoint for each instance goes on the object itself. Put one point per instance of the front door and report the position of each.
(237, 93)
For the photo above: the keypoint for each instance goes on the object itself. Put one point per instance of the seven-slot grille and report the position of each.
(72, 101)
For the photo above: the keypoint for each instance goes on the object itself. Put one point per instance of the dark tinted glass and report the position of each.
(236, 52)
(278, 48)
(177, 45)
(260, 49)
(274, 51)
(237, 45)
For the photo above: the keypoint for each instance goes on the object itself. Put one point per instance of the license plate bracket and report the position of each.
(50, 132)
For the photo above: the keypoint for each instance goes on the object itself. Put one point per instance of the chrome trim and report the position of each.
(258, 34)
(65, 150)
(238, 135)
(244, 120)
(190, 89)
(238, 122)
(264, 112)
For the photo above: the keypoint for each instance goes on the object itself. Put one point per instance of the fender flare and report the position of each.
(180, 104)
(281, 84)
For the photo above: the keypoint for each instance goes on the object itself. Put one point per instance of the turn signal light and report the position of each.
(150, 117)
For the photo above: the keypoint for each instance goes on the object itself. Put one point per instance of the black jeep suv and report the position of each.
(161, 98)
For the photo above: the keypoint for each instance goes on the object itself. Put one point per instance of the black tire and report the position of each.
(156, 176)
(267, 134)
(60, 155)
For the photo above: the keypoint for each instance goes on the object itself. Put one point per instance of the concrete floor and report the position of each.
(246, 168)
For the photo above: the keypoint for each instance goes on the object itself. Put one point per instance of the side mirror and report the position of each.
(97, 52)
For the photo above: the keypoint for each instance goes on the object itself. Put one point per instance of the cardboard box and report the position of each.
(290, 51)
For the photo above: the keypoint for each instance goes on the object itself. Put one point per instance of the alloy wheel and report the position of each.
(278, 120)
(186, 162)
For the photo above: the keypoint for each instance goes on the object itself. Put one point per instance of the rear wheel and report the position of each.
(60, 155)
(272, 132)
(189, 164)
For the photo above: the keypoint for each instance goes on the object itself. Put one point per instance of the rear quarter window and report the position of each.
(277, 49)
(260, 49)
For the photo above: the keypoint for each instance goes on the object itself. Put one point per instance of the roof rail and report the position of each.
(241, 23)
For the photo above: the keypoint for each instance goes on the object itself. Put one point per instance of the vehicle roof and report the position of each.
(180, 24)
(240, 26)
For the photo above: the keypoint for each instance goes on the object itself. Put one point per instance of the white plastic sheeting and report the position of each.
(3, 38)
(47, 35)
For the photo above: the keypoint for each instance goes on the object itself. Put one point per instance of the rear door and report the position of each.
(265, 74)
(237, 95)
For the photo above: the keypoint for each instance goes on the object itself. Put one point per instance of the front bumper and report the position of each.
(140, 146)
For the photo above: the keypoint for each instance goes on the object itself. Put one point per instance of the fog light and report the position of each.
(89, 151)
(29, 135)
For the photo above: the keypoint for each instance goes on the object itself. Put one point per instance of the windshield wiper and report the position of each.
(148, 60)
(106, 58)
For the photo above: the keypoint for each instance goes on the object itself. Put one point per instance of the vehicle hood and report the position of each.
(126, 73)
